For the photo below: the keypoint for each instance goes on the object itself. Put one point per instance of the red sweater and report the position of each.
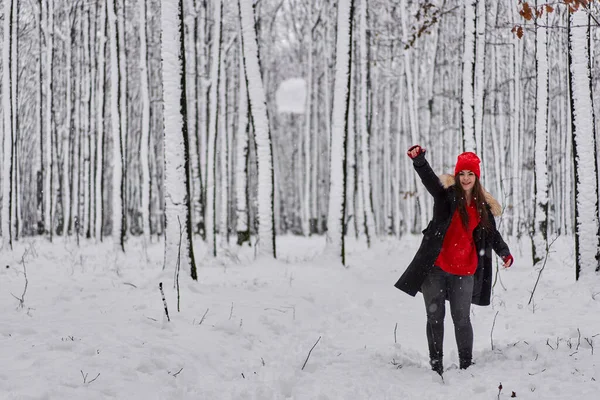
(459, 254)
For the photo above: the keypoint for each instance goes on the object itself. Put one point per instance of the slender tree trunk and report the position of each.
(14, 71)
(479, 76)
(335, 221)
(145, 133)
(365, 165)
(468, 82)
(222, 152)
(539, 237)
(586, 181)
(41, 29)
(66, 132)
(7, 110)
(123, 117)
(241, 173)
(178, 236)
(115, 113)
(260, 122)
(99, 195)
(210, 211)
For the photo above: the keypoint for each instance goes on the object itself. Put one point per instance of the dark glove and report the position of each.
(415, 150)
(508, 260)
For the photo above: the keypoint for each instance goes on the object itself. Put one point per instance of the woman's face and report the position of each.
(467, 180)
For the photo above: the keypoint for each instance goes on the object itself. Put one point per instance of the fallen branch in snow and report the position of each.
(549, 345)
(176, 373)
(542, 269)
(307, 357)
(591, 343)
(85, 377)
(164, 301)
(203, 317)
(231, 311)
(532, 374)
(22, 298)
(395, 329)
(492, 331)
(578, 339)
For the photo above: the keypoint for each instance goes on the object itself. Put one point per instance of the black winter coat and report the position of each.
(444, 206)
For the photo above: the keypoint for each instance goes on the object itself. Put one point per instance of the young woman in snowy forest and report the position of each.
(454, 261)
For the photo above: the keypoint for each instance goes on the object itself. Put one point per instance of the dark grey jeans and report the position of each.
(459, 290)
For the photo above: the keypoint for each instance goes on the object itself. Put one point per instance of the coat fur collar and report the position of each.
(448, 180)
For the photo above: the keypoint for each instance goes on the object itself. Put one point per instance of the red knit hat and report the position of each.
(468, 161)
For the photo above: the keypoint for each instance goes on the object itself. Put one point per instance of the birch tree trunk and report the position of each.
(479, 76)
(7, 144)
(115, 124)
(365, 166)
(468, 83)
(123, 118)
(210, 212)
(98, 195)
(222, 151)
(305, 212)
(260, 122)
(586, 181)
(145, 133)
(539, 237)
(14, 69)
(66, 132)
(178, 236)
(241, 172)
(335, 220)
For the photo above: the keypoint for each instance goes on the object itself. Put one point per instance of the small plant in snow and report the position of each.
(85, 375)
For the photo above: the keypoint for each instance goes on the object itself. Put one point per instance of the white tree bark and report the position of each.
(98, 195)
(540, 223)
(115, 124)
(7, 143)
(145, 105)
(210, 212)
(305, 214)
(66, 132)
(223, 152)
(468, 84)
(335, 220)
(241, 177)
(260, 120)
(365, 165)
(479, 77)
(586, 190)
(177, 235)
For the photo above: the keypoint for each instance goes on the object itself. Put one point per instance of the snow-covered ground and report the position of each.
(93, 327)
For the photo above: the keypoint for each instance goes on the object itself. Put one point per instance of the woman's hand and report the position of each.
(508, 260)
(415, 151)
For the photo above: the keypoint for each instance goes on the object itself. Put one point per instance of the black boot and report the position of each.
(437, 364)
(465, 361)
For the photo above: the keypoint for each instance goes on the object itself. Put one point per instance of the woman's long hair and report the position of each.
(479, 199)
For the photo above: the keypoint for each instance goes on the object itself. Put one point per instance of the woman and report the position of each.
(454, 261)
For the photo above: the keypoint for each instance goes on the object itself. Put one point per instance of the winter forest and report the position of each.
(203, 133)
(102, 139)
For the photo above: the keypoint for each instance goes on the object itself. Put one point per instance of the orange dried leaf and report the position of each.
(549, 8)
(520, 32)
(527, 12)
